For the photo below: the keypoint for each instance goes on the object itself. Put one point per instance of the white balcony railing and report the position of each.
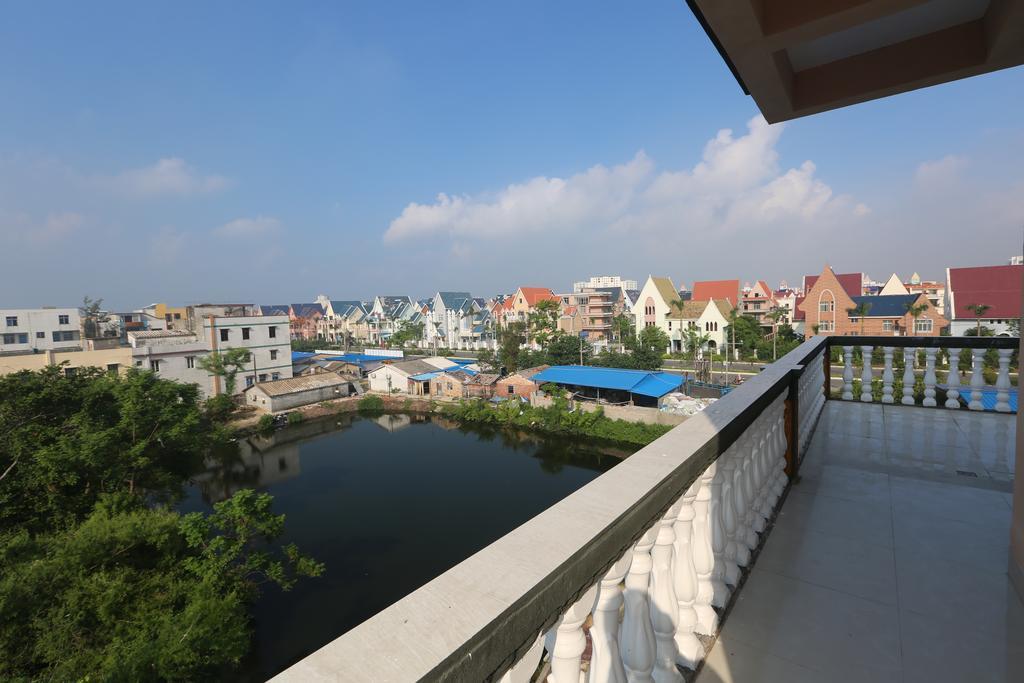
(677, 522)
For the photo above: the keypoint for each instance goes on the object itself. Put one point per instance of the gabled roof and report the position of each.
(274, 309)
(997, 286)
(294, 385)
(528, 373)
(724, 307)
(307, 310)
(345, 308)
(454, 300)
(666, 290)
(717, 289)
(535, 295)
(799, 313)
(632, 295)
(691, 310)
(893, 286)
(412, 367)
(886, 305)
(852, 283)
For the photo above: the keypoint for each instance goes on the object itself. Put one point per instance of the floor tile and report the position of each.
(936, 651)
(814, 626)
(837, 516)
(950, 501)
(926, 536)
(959, 593)
(733, 661)
(844, 482)
(843, 564)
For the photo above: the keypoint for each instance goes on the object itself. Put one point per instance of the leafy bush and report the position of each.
(371, 402)
(295, 417)
(556, 419)
(266, 424)
(219, 407)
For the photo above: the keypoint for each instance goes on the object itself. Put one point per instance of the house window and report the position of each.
(112, 368)
(887, 325)
(275, 376)
(138, 363)
(923, 325)
(12, 321)
(62, 320)
(154, 365)
(224, 335)
(273, 354)
(273, 331)
(177, 316)
(249, 380)
(854, 320)
(190, 361)
(511, 389)
(40, 335)
(245, 333)
(826, 306)
(10, 339)
(263, 377)
(167, 317)
(70, 372)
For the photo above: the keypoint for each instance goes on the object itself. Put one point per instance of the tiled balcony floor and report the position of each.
(884, 563)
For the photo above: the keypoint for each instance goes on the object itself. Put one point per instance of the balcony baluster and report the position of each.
(887, 376)
(865, 376)
(606, 660)
(703, 555)
(686, 648)
(636, 639)
(745, 512)
(977, 379)
(908, 376)
(566, 642)
(1003, 381)
(929, 377)
(758, 476)
(847, 373)
(523, 670)
(953, 380)
(730, 548)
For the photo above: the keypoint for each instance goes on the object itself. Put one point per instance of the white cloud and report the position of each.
(737, 187)
(249, 227)
(940, 172)
(167, 177)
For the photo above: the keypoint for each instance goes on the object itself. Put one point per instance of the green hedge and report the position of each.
(556, 419)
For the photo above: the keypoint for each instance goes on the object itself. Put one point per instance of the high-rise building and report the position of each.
(604, 281)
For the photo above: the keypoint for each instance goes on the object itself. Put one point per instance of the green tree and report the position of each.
(408, 331)
(543, 321)
(140, 594)
(65, 441)
(623, 327)
(511, 338)
(649, 348)
(695, 340)
(226, 365)
(567, 349)
(95, 323)
(775, 315)
(978, 310)
(744, 333)
(861, 311)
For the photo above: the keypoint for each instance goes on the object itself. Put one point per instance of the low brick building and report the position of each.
(830, 298)
(518, 384)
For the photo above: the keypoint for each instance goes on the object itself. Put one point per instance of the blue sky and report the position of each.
(270, 152)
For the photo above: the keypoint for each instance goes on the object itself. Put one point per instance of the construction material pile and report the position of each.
(681, 404)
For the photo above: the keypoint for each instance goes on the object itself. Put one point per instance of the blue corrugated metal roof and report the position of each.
(988, 397)
(301, 355)
(425, 376)
(887, 306)
(643, 382)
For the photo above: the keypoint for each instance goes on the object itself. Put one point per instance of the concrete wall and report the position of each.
(121, 357)
(276, 404)
(31, 323)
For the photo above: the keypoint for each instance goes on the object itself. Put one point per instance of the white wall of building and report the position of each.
(32, 330)
(379, 380)
(270, 354)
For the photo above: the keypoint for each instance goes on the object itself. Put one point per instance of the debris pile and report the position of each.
(681, 404)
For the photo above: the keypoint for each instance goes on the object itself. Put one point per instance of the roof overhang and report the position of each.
(800, 57)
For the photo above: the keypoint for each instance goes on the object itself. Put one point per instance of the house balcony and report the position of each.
(782, 534)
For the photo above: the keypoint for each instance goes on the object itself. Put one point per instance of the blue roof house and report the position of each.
(615, 385)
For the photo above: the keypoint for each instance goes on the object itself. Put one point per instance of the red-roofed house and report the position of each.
(998, 287)
(708, 290)
(519, 306)
(852, 283)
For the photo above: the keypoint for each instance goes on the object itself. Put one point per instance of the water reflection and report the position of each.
(387, 502)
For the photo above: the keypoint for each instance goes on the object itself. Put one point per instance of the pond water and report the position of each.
(387, 503)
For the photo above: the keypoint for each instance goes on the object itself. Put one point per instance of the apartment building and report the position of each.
(34, 330)
(599, 281)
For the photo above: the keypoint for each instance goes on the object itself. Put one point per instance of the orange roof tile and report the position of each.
(717, 289)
